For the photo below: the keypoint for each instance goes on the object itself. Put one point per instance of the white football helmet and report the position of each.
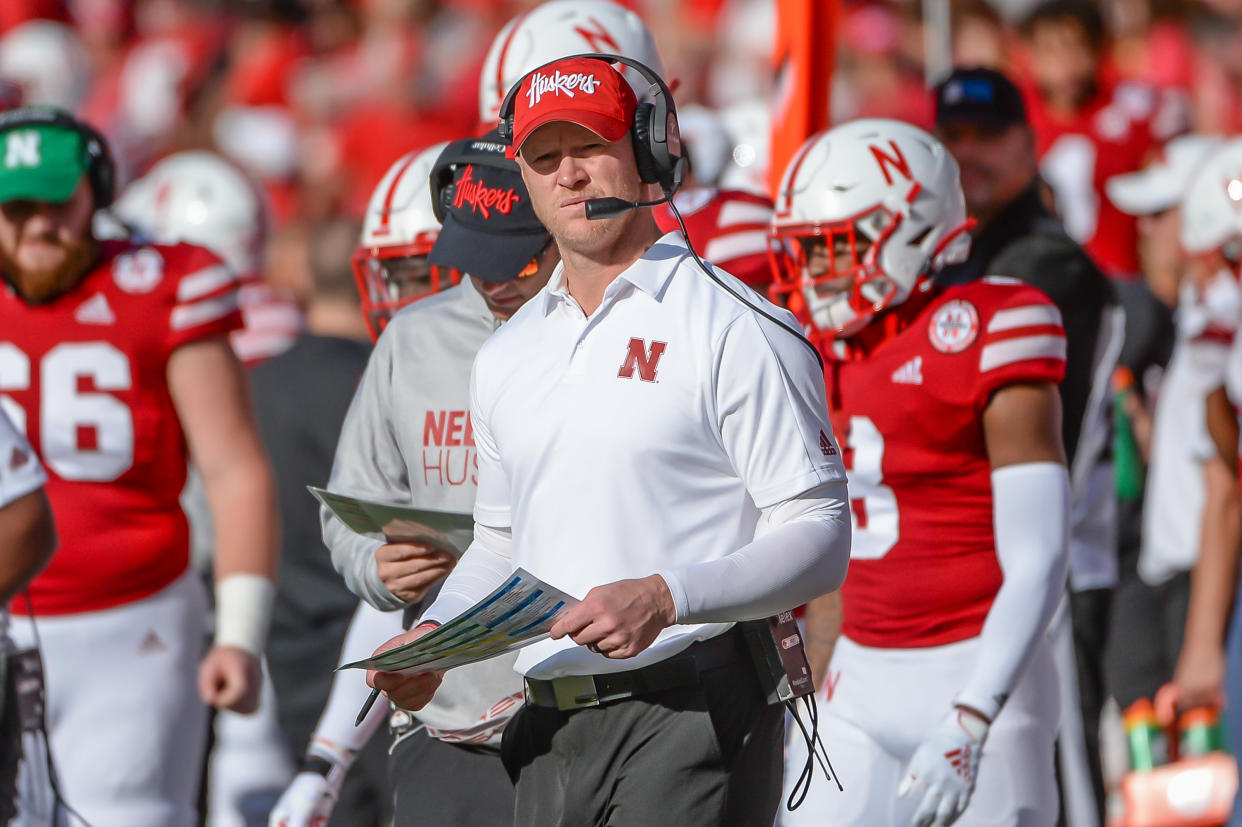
(560, 28)
(398, 232)
(1212, 204)
(885, 199)
(200, 198)
(48, 61)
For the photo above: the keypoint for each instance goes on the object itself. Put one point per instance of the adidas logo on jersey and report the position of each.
(825, 445)
(95, 310)
(911, 373)
(151, 644)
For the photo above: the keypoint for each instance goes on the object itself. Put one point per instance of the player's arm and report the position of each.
(28, 537)
(1200, 672)
(1030, 511)
(1031, 515)
(27, 532)
(212, 398)
(821, 624)
(369, 463)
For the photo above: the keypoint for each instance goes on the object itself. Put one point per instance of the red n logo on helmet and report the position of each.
(638, 355)
(599, 37)
(897, 161)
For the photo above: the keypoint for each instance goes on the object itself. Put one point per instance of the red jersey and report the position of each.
(86, 375)
(1111, 135)
(908, 411)
(729, 228)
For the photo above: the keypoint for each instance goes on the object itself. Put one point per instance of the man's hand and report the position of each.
(408, 570)
(230, 678)
(411, 692)
(941, 774)
(621, 619)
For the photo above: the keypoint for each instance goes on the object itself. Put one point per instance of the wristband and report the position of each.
(244, 611)
(329, 761)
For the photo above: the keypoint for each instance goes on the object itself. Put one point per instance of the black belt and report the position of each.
(682, 669)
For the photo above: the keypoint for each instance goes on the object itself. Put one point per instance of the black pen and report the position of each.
(366, 707)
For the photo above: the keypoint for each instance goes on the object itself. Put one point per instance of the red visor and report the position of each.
(584, 90)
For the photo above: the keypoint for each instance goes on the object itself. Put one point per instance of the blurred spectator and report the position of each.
(1089, 126)
(1211, 234)
(300, 400)
(874, 78)
(981, 119)
(980, 37)
(1149, 611)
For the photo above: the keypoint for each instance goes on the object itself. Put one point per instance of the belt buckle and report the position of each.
(575, 692)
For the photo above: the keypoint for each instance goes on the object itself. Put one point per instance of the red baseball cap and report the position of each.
(583, 90)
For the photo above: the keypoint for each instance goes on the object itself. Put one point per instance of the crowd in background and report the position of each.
(315, 99)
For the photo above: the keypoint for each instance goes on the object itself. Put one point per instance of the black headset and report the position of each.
(100, 168)
(655, 122)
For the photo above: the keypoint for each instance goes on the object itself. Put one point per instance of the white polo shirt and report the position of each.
(644, 438)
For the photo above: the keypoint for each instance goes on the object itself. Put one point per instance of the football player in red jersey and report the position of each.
(946, 400)
(114, 359)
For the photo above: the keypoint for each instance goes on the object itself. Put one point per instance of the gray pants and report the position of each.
(702, 755)
(448, 785)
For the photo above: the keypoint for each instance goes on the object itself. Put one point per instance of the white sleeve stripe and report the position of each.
(1029, 316)
(999, 354)
(190, 315)
(204, 282)
(736, 245)
(740, 212)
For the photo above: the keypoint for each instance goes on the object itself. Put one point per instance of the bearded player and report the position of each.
(941, 683)
(114, 359)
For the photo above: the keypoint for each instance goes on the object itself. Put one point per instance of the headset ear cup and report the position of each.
(102, 176)
(648, 169)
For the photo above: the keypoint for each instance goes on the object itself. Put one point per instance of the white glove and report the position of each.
(310, 797)
(944, 767)
(307, 802)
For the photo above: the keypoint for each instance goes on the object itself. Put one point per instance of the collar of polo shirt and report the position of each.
(650, 273)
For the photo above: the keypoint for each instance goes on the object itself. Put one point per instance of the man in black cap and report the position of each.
(408, 438)
(981, 118)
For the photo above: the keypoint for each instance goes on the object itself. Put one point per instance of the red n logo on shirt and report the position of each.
(638, 355)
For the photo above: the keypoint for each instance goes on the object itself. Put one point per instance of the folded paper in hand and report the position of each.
(400, 523)
(518, 613)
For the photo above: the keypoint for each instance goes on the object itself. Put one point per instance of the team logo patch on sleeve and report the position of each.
(954, 327)
(138, 272)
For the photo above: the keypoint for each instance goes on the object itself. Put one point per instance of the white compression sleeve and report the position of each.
(483, 567)
(801, 550)
(368, 629)
(1030, 512)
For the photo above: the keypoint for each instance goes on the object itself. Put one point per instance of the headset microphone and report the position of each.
(597, 208)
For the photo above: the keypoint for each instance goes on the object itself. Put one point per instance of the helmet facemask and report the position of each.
(389, 278)
(834, 269)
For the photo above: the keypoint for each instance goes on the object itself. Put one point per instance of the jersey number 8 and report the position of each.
(873, 506)
(85, 435)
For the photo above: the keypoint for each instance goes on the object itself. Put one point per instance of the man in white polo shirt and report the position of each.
(657, 448)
